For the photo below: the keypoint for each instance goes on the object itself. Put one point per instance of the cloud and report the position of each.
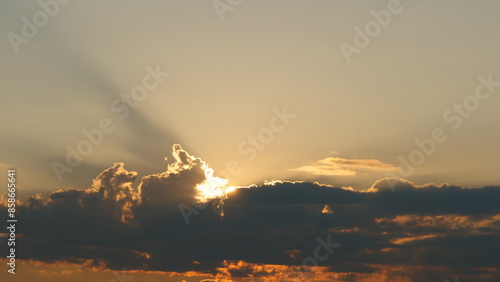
(344, 167)
(416, 232)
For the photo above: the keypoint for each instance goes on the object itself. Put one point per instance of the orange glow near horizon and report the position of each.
(60, 271)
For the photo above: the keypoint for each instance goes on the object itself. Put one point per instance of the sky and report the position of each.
(224, 139)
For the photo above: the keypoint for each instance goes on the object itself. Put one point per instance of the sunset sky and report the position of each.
(372, 122)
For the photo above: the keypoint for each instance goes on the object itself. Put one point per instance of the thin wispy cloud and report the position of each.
(344, 167)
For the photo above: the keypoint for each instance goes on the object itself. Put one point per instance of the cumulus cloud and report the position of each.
(411, 232)
(177, 184)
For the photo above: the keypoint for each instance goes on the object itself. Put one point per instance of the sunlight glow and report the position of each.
(212, 187)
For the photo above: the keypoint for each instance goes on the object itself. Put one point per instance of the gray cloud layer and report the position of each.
(430, 230)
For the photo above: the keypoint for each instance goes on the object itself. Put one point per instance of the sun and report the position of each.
(213, 187)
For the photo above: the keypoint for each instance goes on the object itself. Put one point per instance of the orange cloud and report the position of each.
(450, 222)
(344, 167)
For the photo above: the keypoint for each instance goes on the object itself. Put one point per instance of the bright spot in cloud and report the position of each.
(213, 186)
(327, 210)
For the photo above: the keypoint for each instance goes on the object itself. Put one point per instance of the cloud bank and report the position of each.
(414, 233)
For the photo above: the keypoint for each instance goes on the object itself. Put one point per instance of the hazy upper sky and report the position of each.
(226, 77)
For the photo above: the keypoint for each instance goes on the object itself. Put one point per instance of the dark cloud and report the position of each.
(430, 231)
